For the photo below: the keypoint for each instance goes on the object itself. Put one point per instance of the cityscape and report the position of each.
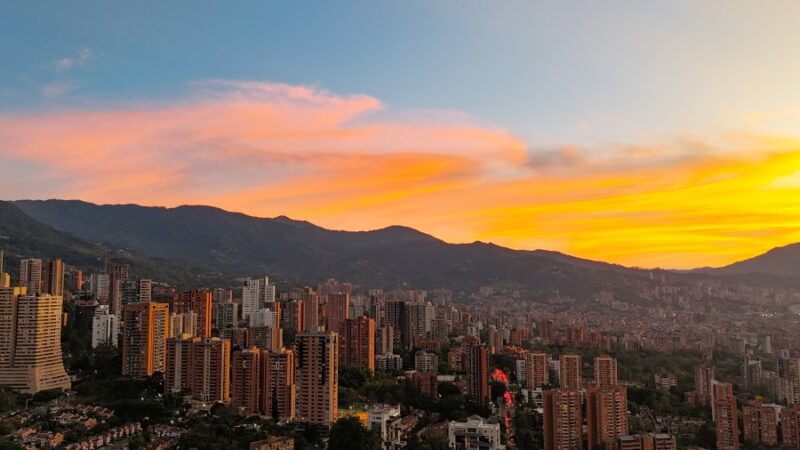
(102, 358)
(418, 225)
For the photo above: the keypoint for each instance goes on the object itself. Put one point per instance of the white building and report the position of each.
(105, 327)
(263, 318)
(257, 294)
(382, 418)
(474, 434)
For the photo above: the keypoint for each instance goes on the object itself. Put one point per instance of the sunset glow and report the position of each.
(267, 149)
(644, 158)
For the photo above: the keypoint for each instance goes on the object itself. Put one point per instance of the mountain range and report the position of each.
(202, 244)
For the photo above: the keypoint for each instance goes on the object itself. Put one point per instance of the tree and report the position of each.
(8, 399)
(6, 444)
(347, 434)
(353, 377)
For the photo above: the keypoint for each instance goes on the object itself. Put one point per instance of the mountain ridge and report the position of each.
(781, 261)
(24, 237)
(213, 239)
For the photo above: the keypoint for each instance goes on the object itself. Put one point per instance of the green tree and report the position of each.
(353, 377)
(8, 399)
(347, 434)
(7, 444)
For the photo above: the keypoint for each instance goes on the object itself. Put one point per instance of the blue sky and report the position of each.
(589, 73)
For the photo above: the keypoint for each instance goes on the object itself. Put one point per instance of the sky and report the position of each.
(651, 134)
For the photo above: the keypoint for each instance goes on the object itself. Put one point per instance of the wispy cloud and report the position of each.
(78, 58)
(57, 89)
(350, 161)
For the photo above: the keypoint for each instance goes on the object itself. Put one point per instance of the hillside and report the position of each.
(23, 237)
(780, 262)
(216, 240)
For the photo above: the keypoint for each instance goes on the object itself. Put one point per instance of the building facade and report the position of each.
(30, 341)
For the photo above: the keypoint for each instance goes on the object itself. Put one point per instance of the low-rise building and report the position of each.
(474, 434)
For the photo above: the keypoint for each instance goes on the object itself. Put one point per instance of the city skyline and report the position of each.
(653, 135)
(412, 225)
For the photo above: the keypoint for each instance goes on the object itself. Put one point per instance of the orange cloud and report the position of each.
(268, 149)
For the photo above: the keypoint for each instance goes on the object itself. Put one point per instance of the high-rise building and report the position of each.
(477, 368)
(562, 420)
(606, 415)
(605, 372)
(269, 294)
(198, 302)
(264, 317)
(105, 327)
(211, 358)
(263, 382)
(311, 304)
(144, 338)
(389, 362)
(426, 362)
(30, 341)
(703, 384)
(338, 310)
(100, 286)
(790, 426)
(225, 315)
(199, 367)
(53, 277)
(294, 315)
(76, 280)
(760, 423)
(384, 340)
(317, 377)
(179, 366)
(129, 290)
(257, 293)
(752, 372)
(183, 324)
(419, 319)
(397, 318)
(5, 279)
(119, 274)
(790, 368)
(725, 417)
(537, 370)
(220, 295)
(251, 296)
(30, 275)
(245, 379)
(145, 291)
(265, 338)
(277, 387)
(357, 343)
(569, 371)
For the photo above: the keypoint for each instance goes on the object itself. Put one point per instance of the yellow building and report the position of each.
(30, 341)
